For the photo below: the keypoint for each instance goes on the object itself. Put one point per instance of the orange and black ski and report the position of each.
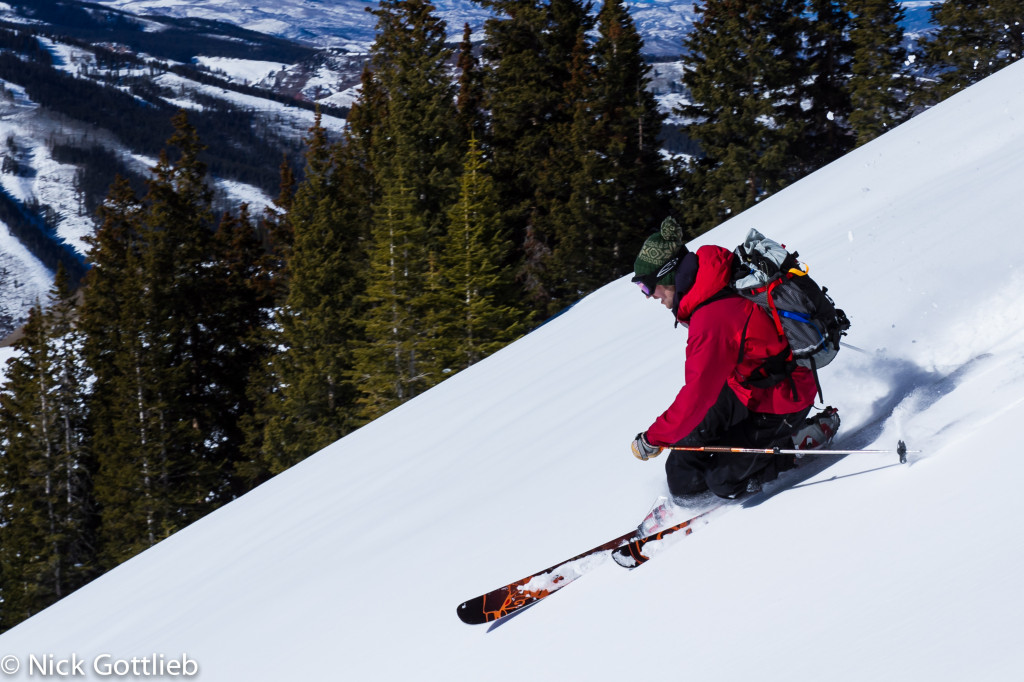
(514, 597)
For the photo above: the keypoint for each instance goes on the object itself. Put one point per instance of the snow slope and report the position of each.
(351, 564)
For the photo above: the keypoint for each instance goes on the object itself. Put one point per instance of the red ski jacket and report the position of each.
(713, 355)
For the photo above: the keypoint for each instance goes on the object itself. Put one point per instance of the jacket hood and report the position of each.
(714, 272)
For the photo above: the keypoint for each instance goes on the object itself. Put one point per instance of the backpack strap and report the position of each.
(768, 289)
(743, 337)
(774, 370)
(777, 368)
(817, 384)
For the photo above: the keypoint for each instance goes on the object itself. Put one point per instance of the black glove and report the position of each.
(643, 450)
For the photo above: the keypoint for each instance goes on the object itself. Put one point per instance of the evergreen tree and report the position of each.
(469, 102)
(171, 421)
(744, 65)
(112, 318)
(560, 245)
(619, 184)
(46, 507)
(73, 508)
(29, 423)
(310, 392)
(239, 333)
(473, 321)
(878, 90)
(276, 233)
(824, 89)
(110, 296)
(420, 138)
(975, 39)
(529, 49)
(182, 298)
(363, 127)
(1007, 17)
(414, 156)
(400, 359)
(267, 280)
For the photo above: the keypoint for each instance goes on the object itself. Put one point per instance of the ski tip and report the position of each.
(471, 612)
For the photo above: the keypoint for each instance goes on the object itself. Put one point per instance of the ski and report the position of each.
(509, 599)
(516, 596)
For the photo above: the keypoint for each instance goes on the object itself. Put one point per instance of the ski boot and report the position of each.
(818, 431)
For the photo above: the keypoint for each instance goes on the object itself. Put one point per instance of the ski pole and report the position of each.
(901, 450)
(853, 347)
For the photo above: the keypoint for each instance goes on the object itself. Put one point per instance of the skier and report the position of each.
(742, 388)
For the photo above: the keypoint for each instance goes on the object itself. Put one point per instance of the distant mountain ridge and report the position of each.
(346, 23)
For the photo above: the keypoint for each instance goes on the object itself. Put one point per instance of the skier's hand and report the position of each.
(643, 450)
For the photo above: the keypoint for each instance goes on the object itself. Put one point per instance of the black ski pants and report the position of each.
(729, 423)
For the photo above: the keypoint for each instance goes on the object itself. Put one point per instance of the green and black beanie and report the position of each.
(659, 249)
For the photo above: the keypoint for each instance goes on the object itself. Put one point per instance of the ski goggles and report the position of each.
(648, 282)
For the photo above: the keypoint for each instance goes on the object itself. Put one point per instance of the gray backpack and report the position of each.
(804, 314)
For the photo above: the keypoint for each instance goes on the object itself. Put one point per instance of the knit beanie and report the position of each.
(659, 249)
